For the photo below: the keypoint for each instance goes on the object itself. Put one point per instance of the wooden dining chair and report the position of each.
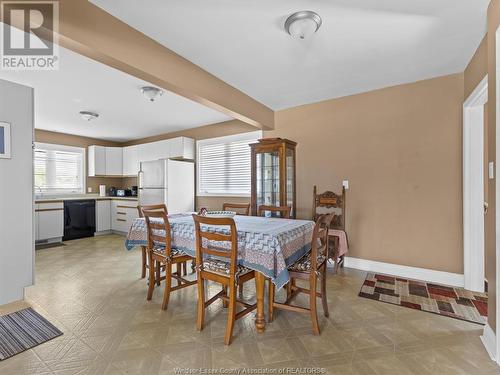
(161, 253)
(153, 207)
(329, 202)
(283, 211)
(310, 267)
(239, 208)
(217, 260)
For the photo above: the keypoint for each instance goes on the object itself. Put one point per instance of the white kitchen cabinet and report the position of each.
(97, 161)
(182, 148)
(49, 221)
(103, 215)
(114, 161)
(125, 161)
(123, 212)
(154, 150)
(131, 160)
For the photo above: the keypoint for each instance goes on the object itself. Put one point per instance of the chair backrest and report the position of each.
(152, 207)
(319, 245)
(158, 229)
(283, 211)
(330, 203)
(239, 208)
(226, 243)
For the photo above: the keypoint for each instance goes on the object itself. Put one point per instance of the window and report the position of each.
(224, 165)
(59, 169)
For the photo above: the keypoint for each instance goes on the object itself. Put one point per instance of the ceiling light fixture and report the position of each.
(88, 116)
(303, 24)
(151, 92)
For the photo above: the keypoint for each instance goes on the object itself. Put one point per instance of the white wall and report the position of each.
(16, 194)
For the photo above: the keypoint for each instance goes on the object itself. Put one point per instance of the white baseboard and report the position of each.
(489, 339)
(438, 277)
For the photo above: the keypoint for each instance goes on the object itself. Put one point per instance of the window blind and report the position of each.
(59, 171)
(224, 165)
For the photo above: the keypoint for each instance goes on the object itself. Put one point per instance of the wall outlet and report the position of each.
(491, 170)
(89, 190)
(345, 184)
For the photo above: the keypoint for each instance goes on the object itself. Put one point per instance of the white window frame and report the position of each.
(250, 136)
(58, 147)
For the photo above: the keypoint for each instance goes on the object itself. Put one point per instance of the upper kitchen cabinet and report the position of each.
(97, 160)
(105, 161)
(130, 160)
(114, 161)
(154, 150)
(125, 161)
(182, 148)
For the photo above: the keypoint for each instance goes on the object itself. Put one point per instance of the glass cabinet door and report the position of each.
(268, 179)
(290, 178)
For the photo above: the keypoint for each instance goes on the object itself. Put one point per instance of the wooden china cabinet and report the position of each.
(273, 174)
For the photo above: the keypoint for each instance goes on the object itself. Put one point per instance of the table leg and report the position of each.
(260, 320)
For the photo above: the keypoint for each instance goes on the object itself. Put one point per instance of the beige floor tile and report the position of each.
(92, 291)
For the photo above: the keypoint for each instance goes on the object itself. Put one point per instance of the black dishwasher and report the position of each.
(79, 219)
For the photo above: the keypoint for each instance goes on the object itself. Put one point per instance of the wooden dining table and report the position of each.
(267, 245)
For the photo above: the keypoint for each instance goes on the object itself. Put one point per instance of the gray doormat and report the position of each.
(24, 330)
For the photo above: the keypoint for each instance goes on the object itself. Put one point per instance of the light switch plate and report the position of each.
(345, 184)
(491, 170)
(89, 190)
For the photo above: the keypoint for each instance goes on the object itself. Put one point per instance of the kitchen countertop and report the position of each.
(81, 197)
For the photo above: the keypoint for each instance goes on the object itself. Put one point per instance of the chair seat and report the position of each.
(222, 268)
(160, 250)
(304, 263)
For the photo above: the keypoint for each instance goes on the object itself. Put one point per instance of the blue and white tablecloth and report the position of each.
(266, 245)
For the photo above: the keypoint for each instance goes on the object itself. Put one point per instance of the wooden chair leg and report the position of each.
(144, 263)
(158, 273)
(152, 281)
(168, 286)
(312, 304)
(200, 322)
(323, 291)
(271, 301)
(224, 302)
(231, 314)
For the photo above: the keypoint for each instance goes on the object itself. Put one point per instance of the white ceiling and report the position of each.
(362, 44)
(124, 113)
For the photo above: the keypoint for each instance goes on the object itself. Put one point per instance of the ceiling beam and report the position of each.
(92, 32)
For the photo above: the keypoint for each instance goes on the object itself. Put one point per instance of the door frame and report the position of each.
(473, 187)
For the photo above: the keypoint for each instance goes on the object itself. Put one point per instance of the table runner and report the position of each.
(267, 245)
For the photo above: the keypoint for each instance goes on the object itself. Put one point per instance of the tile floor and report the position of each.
(90, 289)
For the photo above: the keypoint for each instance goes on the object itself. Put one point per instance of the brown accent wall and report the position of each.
(493, 24)
(477, 68)
(77, 141)
(400, 148)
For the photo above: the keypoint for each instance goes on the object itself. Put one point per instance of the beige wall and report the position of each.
(73, 140)
(400, 148)
(477, 68)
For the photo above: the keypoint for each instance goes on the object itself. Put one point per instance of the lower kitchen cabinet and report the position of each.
(123, 213)
(49, 221)
(103, 215)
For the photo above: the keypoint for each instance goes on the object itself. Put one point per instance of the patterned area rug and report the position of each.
(24, 330)
(438, 299)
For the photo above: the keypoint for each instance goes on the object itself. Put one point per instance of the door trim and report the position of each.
(473, 187)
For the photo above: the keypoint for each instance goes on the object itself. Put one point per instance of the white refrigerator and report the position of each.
(168, 181)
